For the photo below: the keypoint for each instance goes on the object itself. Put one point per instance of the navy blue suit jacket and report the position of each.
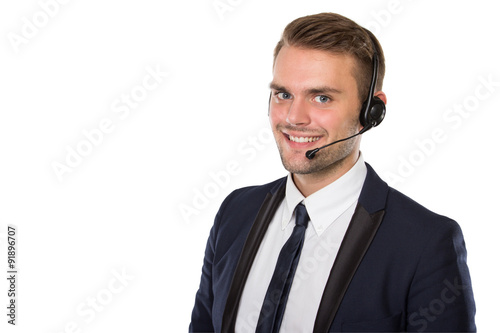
(400, 267)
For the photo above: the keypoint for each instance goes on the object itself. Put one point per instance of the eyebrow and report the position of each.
(275, 86)
(311, 91)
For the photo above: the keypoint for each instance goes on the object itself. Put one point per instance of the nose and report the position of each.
(298, 113)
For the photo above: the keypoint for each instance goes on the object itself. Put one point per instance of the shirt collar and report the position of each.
(327, 204)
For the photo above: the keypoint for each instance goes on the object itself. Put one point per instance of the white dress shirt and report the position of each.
(330, 211)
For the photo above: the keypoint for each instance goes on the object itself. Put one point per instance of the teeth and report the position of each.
(303, 139)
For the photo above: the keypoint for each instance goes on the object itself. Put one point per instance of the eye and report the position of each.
(322, 99)
(283, 95)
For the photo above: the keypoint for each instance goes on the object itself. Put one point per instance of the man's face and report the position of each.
(314, 102)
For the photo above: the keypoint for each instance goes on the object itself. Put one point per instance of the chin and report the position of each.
(299, 166)
(320, 164)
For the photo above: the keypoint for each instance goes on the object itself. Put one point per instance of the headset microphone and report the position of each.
(372, 112)
(310, 153)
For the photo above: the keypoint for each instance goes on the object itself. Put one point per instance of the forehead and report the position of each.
(300, 68)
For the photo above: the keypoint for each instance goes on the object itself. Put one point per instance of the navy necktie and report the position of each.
(273, 308)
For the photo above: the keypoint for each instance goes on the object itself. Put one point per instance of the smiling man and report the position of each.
(315, 101)
(330, 247)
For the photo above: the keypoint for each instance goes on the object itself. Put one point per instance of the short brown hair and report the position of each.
(337, 34)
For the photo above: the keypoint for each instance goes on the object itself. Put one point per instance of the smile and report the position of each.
(303, 139)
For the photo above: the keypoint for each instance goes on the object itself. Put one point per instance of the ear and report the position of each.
(380, 94)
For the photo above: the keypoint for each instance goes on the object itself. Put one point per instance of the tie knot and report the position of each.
(301, 216)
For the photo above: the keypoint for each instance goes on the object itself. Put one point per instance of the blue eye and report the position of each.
(283, 95)
(322, 99)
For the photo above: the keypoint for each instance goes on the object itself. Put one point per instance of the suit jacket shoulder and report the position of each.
(414, 276)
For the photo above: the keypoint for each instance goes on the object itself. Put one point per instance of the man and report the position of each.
(330, 247)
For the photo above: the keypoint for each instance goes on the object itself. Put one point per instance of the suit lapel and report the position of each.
(252, 243)
(357, 240)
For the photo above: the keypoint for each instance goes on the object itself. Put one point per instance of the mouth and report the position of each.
(302, 139)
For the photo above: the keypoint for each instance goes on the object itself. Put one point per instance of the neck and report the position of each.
(307, 184)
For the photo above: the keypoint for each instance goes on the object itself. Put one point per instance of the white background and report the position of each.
(119, 210)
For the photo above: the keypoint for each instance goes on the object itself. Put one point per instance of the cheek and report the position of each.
(276, 115)
(342, 117)
(328, 120)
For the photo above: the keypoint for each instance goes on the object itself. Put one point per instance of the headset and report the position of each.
(373, 110)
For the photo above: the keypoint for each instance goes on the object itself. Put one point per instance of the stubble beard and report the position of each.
(326, 161)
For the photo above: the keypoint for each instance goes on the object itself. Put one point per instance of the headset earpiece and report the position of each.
(375, 113)
(373, 110)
